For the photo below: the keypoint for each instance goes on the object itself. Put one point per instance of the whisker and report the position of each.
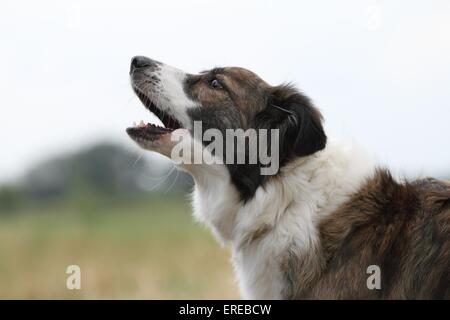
(162, 180)
(174, 181)
(137, 160)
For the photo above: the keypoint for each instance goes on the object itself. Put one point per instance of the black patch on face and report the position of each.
(284, 108)
(299, 122)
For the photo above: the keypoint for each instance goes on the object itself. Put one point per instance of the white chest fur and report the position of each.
(283, 214)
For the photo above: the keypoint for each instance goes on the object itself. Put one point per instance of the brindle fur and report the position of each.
(401, 227)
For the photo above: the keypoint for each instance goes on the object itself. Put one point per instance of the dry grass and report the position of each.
(147, 250)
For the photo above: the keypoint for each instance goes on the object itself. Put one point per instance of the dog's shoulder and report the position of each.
(390, 224)
(434, 194)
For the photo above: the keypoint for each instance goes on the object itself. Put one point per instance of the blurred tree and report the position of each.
(10, 198)
(106, 169)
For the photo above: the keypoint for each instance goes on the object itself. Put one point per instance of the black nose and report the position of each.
(141, 62)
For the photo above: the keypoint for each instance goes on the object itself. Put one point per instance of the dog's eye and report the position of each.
(215, 84)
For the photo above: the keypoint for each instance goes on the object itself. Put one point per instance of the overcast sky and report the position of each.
(379, 70)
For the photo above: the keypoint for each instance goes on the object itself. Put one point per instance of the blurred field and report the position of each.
(145, 249)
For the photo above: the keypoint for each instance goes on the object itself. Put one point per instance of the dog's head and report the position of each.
(224, 98)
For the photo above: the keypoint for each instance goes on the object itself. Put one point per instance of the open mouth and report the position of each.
(150, 131)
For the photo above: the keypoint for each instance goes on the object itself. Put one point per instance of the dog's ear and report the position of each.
(299, 121)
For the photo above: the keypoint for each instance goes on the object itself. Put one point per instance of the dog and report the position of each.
(329, 216)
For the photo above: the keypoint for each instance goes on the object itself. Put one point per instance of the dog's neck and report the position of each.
(278, 227)
(320, 183)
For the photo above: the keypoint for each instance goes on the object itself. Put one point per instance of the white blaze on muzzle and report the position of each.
(171, 96)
